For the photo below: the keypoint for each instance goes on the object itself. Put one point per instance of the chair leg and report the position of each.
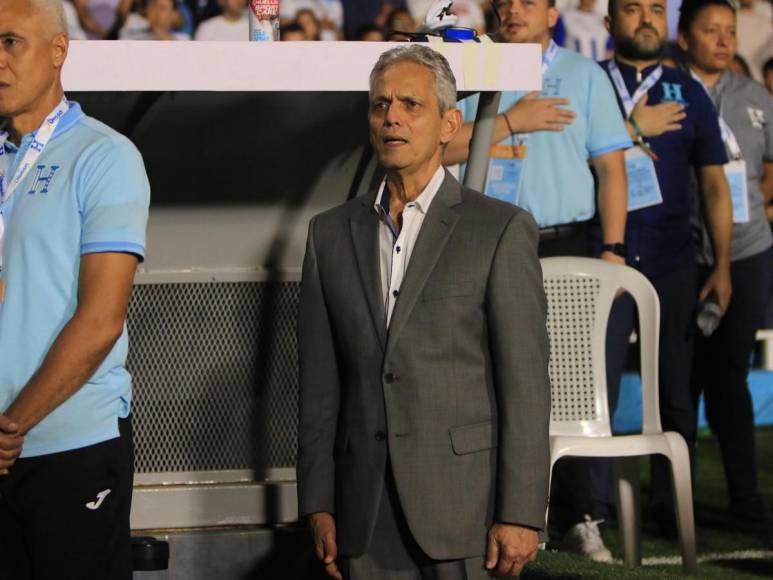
(626, 471)
(544, 536)
(682, 486)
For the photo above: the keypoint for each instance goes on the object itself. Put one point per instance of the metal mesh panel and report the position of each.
(215, 375)
(571, 315)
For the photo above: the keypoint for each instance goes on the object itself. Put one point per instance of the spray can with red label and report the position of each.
(264, 20)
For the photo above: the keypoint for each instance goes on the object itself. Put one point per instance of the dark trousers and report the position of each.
(393, 553)
(571, 488)
(721, 368)
(678, 297)
(57, 519)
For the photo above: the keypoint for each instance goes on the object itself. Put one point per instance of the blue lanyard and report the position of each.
(547, 59)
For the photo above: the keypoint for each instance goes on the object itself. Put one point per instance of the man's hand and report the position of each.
(11, 443)
(323, 530)
(510, 548)
(718, 282)
(532, 114)
(658, 119)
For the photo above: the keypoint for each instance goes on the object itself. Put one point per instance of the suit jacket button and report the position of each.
(380, 436)
(389, 378)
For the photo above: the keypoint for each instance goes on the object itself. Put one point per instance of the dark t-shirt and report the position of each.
(658, 237)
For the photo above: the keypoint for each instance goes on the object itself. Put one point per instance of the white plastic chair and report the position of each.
(580, 292)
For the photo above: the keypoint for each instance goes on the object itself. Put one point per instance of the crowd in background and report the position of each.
(580, 28)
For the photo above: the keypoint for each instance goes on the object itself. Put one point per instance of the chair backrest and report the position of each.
(580, 292)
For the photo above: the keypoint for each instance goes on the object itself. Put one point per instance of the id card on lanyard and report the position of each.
(34, 151)
(505, 170)
(643, 187)
(735, 170)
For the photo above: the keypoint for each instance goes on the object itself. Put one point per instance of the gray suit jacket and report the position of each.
(459, 384)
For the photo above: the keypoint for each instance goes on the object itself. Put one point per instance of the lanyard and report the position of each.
(629, 102)
(547, 59)
(727, 133)
(34, 151)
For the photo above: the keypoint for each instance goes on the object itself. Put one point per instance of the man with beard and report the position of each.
(544, 148)
(675, 128)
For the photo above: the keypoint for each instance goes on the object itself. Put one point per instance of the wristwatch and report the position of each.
(617, 248)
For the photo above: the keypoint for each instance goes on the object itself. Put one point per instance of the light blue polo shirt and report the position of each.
(556, 182)
(87, 193)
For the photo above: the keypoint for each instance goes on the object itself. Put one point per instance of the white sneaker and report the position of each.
(585, 539)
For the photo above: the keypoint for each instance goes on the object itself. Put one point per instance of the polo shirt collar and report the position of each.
(724, 80)
(630, 70)
(68, 120)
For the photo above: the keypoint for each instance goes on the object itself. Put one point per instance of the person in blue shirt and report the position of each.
(707, 34)
(545, 148)
(570, 122)
(582, 29)
(674, 125)
(73, 210)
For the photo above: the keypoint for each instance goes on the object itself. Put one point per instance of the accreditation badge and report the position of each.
(504, 172)
(643, 187)
(735, 171)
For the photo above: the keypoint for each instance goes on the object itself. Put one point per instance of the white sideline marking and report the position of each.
(711, 557)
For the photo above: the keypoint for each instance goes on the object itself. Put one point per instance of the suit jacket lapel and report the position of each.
(435, 231)
(364, 229)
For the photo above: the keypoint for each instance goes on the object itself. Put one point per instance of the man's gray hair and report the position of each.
(445, 82)
(54, 11)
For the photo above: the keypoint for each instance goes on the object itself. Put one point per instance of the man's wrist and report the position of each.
(509, 125)
(617, 248)
(636, 128)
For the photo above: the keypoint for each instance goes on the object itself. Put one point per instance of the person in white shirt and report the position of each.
(74, 29)
(330, 14)
(584, 31)
(157, 23)
(232, 24)
(755, 35)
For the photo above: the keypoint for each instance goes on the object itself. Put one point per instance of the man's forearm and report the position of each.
(719, 215)
(613, 195)
(458, 150)
(76, 354)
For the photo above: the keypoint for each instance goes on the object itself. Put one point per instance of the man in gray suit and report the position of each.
(425, 399)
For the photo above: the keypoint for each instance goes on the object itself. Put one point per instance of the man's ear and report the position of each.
(451, 123)
(608, 24)
(553, 15)
(682, 41)
(60, 43)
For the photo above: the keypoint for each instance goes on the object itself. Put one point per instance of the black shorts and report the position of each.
(65, 516)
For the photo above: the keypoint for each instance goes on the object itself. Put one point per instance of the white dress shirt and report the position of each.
(396, 244)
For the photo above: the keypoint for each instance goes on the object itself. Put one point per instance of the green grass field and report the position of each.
(716, 532)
